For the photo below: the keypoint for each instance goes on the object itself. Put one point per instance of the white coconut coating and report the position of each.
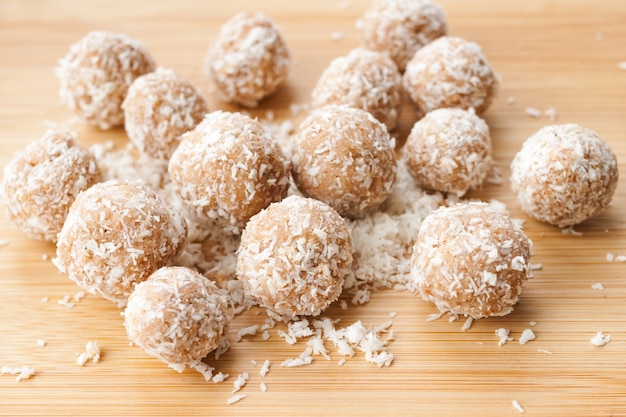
(450, 72)
(227, 169)
(449, 150)
(471, 260)
(344, 157)
(249, 59)
(116, 234)
(177, 315)
(96, 73)
(401, 27)
(368, 80)
(41, 182)
(294, 256)
(158, 109)
(564, 174)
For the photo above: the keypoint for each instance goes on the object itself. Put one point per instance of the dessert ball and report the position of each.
(42, 181)
(450, 72)
(177, 315)
(368, 80)
(471, 260)
(344, 157)
(227, 169)
(294, 256)
(117, 233)
(564, 174)
(96, 73)
(158, 109)
(249, 60)
(449, 150)
(401, 27)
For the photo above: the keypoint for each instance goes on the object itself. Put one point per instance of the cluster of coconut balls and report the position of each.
(121, 239)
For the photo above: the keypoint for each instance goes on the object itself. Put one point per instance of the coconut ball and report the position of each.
(96, 73)
(368, 80)
(344, 157)
(564, 174)
(471, 260)
(227, 169)
(294, 256)
(450, 72)
(117, 233)
(158, 109)
(449, 150)
(401, 27)
(42, 181)
(177, 315)
(249, 59)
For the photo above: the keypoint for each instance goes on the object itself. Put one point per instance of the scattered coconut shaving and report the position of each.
(240, 382)
(24, 372)
(247, 331)
(235, 398)
(569, 230)
(65, 301)
(533, 112)
(503, 334)
(622, 65)
(527, 336)
(219, 377)
(265, 368)
(600, 339)
(611, 257)
(41, 342)
(544, 351)
(263, 387)
(598, 286)
(92, 351)
(204, 369)
(517, 406)
(467, 324)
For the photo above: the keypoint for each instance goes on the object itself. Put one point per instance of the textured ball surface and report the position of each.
(368, 80)
(401, 27)
(96, 73)
(116, 235)
(249, 59)
(227, 169)
(471, 260)
(42, 181)
(450, 72)
(177, 315)
(564, 174)
(344, 157)
(294, 256)
(449, 150)
(158, 109)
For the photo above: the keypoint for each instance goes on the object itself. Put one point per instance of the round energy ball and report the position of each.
(42, 181)
(401, 27)
(368, 80)
(177, 315)
(450, 72)
(116, 234)
(158, 109)
(249, 59)
(228, 169)
(96, 73)
(294, 256)
(449, 150)
(344, 157)
(471, 260)
(564, 174)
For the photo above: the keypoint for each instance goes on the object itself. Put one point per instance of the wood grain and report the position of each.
(549, 53)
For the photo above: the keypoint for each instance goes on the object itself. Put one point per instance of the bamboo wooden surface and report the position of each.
(550, 53)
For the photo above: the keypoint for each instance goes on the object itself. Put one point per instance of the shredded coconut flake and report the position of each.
(517, 406)
(598, 286)
(533, 112)
(600, 339)
(265, 368)
(527, 336)
(247, 331)
(41, 342)
(240, 382)
(219, 377)
(24, 372)
(263, 387)
(544, 351)
(569, 230)
(92, 351)
(503, 334)
(622, 65)
(235, 398)
(467, 324)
